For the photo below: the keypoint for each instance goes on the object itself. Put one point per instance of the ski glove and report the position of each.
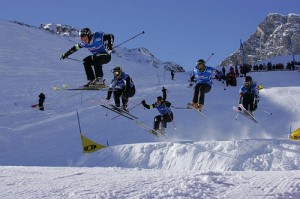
(108, 48)
(64, 56)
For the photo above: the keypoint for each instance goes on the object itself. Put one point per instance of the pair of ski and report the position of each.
(119, 111)
(126, 114)
(244, 112)
(98, 87)
(191, 107)
(158, 133)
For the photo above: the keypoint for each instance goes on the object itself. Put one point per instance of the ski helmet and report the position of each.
(85, 32)
(248, 79)
(117, 71)
(159, 98)
(200, 61)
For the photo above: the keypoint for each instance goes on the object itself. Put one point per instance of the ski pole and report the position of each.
(106, 109)
(74, 59)
(134, 103)
(209, 57)
(102, 100)
(237, 115)
(265, 111)
(172, 121)
(129, 39)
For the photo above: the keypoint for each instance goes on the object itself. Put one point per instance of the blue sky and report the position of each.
(179, 31)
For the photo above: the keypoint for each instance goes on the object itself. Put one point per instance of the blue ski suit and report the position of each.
(203, 83)
(121, 87)
(249, 96)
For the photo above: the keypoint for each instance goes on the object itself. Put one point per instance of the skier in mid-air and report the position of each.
(163, 107)
(202, 75)
(249, 95)
(100, 45)
(121, 86)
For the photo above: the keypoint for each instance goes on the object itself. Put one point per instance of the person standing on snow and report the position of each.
(42, 98)
(121, 86)
(100, 45)
(249, 95)
(202, 75)
(172, 74)
(163, 107)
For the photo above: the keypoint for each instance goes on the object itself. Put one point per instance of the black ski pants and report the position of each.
(119, 93)
(199, 92)
(163, 119)
(97, 61)
(248, 102)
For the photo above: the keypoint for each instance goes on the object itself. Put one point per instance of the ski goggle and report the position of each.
(200, 64)
(116, 73)
(247, 83)
(82, 34)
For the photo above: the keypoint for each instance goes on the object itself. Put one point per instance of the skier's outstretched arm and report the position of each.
(70, 51)
(147, 106)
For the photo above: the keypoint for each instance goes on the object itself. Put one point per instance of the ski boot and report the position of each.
(98, 81)
(200, 107)
(193, 105)
(161, 131)
(154, 132)
(89, 83)
(125, 107)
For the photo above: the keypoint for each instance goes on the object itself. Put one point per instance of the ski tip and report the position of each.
(56, 88)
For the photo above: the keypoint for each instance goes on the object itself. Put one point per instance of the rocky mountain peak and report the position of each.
(60, 29)
(272, 38)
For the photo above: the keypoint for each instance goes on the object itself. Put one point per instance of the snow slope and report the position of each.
(218, 157)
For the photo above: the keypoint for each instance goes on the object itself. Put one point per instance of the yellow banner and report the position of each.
(260, 87)
(295, 135)
(90, 146)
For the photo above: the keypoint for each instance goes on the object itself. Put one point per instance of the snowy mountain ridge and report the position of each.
(271, 39)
